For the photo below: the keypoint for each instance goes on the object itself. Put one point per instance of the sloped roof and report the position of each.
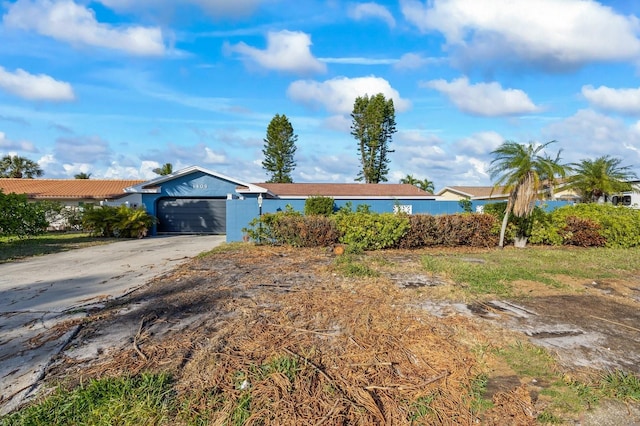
(97, 189)
(153, 185)
(345, 190)
(475, 191)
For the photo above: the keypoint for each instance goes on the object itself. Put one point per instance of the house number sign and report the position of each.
(199, 186)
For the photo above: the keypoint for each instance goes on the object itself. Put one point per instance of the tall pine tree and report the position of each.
(279, 148)
(373, 125)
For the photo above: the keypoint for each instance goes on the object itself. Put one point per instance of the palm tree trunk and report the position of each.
(505, 220)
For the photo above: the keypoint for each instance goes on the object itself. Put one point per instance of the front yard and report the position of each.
(276, 335)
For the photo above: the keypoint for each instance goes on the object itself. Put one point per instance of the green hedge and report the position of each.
(371, 231)
(323, 206)
(20, 218)
(466, 229)
(362, 230)
(304, 231)
(586, 225)
(619, 226)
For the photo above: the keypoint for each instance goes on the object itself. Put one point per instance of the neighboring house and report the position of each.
(489, 193)
(457, 193)
(72, 192)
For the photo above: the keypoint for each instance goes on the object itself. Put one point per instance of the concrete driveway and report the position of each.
(40, 293)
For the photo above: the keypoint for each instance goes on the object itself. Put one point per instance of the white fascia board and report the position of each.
(491, 197)
(254, 189)
(455, 191)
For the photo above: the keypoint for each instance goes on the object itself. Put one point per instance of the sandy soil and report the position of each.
(377, 340)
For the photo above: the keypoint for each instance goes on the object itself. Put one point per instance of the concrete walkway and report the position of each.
(41, 292)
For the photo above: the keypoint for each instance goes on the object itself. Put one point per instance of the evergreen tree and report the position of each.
(373, 126)
(279, 148)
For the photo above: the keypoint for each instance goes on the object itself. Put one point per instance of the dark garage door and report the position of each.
(192, 215)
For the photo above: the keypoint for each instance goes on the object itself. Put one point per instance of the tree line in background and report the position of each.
(524, 171)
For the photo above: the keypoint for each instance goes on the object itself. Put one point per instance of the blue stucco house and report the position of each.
(197, 200)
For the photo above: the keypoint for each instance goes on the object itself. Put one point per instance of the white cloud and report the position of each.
(46, 161)
(371, 10)
(425, 155)
(286, 51)
(75, 24)
(410, 61)
(7, 144)
(338, 122)
(215, 8)
(39, 87)
(324, 173)
(480, 144)
(75, 168)
(194, 154)
(82, 149)
(550, 33)
(483, 99)
(212, 157)
(339, 94)
(589, 134)
(359, 61)
(621, 100)
(119, 171)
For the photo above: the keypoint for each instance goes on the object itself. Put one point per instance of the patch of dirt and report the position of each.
(366, 349)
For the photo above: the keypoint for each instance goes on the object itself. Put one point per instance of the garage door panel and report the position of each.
(192, 215)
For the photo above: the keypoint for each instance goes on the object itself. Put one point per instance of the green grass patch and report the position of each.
(529, 361)
(421, 409)
(621, 385)
(493, 272)
(477, 391)
(13, 249)
(352, 265)
(141, 400)
(565, 395)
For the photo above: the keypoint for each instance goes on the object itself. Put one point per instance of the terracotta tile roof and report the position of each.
(40, 189)
(475, 191)
(351, 190)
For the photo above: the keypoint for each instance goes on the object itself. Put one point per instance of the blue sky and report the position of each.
(117, 87)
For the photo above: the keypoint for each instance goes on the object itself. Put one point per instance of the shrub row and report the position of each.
(589, 225)
(362, 230)
(467, 229)
(585, 225)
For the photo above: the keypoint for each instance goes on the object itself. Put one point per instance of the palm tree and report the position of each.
(409, 179)
(522, 170)
(82, 175)
(13, 166)
(165, 169)
(601, 177)
(426, 185)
